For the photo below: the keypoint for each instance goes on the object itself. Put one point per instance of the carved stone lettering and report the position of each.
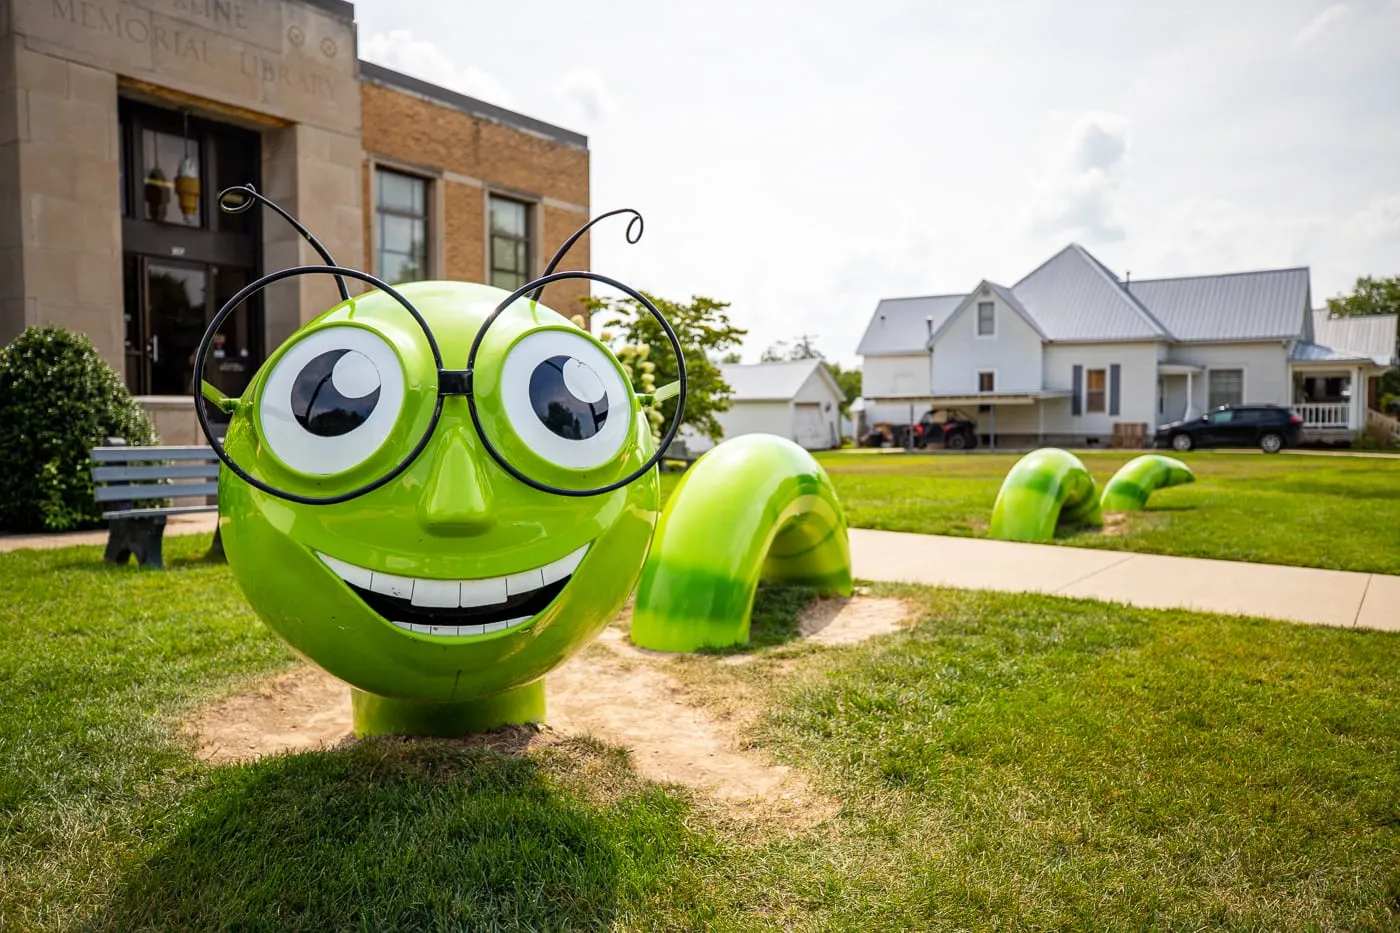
(98, 18)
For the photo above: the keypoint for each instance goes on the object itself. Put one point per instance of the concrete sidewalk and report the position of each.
(202, 523)
(1293, 594)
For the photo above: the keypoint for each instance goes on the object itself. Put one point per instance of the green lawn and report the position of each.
(1340, 513)
(1013, 763)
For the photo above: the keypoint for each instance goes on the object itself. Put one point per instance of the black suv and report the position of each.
(1269, 427)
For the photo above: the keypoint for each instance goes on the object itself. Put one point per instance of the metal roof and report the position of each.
(1074, 297)
(1239, 306)
(1371, 336)
(769, 382)
(900, 325)
(1005, 294)
(1304, 352)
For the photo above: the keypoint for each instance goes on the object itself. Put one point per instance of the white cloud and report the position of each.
(1379, 219)
(586, 93)
(1320, 24)
(1077, 192)
(397, 49)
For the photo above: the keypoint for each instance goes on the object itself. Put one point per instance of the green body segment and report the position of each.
(755, 507)
(1139, 478)
(1046, 488)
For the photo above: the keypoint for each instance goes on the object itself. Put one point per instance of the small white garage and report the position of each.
(798, 400)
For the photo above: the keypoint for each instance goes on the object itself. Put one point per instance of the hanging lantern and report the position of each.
(157, 194)
(187, 189)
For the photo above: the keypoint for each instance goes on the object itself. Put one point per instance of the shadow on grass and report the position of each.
(388, 834)
(773, 620)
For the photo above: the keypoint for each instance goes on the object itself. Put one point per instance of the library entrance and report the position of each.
(182, 258)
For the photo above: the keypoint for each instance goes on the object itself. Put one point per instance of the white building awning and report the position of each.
(1179, 369)
(973, 398)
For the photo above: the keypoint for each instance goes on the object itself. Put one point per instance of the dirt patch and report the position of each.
(1116, 523)
(612, 690)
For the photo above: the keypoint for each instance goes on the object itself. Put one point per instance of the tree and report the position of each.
(1373, 296)
(802, 348)
(733, 356)
(703, 327)
(849, 381)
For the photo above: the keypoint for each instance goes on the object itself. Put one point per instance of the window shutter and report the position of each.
(1114, 371)
(1076, 400)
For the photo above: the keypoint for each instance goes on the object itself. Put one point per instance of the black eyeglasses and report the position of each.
(569, 406)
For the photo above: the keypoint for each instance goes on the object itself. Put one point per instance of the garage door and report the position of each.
(811, 428)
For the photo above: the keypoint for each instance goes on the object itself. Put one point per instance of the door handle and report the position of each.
(155, 348)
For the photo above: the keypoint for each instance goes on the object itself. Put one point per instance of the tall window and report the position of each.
(1096, 390)
(401, 220)
(1226, 387)
(510, 243)
(986, 319)
(986, 382)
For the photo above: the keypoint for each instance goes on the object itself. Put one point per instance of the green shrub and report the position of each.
(58, 400)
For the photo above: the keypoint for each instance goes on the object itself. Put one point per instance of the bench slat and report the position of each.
(139, 454)
(155, 491)
(111, 474)
(174, 510)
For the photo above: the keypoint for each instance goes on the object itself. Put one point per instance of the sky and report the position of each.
(803, 160)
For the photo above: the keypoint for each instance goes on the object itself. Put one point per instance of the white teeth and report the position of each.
(527, 582)
(459, 631)
(441, 594)
(391, 585)
(563, 567)
(450, 594)
(487, 592)
(355, 576)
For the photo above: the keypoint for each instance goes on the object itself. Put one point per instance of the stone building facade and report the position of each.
(120, 120)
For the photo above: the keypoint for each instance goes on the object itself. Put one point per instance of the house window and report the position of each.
(401, 227)
(986, 319)
(986, 382)
(510, 243)
(1226, 387)
(1096, 390)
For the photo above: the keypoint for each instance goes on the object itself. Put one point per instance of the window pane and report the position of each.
(986, 382)
(507, 217)
(510, 281)
(402, 193)
(1226, 387)
(396, 268)
(507, 254)
(161, 157)
(401, 234)
(986, 318)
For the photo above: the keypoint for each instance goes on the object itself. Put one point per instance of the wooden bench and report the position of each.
(125, 476)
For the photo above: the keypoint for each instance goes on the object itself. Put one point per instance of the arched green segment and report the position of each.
(1139, 477)
(757, 506)
(1045, 488)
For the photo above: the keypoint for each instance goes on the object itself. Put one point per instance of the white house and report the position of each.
(1071, 350)
(799, 400)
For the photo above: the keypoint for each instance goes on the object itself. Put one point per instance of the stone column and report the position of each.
(315, 175)
(60, 207)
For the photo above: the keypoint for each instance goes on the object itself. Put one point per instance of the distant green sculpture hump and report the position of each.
(1046, 488)
(757, 506)
(1139, 478)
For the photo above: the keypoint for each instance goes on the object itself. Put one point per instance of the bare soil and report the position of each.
(611, 690)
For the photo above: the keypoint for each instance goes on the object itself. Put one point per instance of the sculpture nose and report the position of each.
(457, 499)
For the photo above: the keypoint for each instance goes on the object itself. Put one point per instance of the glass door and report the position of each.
(176, 309)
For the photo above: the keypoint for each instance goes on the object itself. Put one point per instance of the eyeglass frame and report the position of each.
(449, 382)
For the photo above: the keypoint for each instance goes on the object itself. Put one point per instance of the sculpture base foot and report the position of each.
(376, 715)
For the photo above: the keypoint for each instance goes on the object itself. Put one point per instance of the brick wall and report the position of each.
(468, 156)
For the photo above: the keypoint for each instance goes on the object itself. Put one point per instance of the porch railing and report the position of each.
(1324, 414)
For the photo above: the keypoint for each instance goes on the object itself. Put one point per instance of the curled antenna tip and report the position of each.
(237, 199)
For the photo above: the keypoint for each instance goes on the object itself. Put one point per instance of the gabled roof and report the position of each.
(901, 325)
(1369, 336)
(1075, 298)
(771, 382)
(1264, 305)
(1002, 292)
(1304, 352)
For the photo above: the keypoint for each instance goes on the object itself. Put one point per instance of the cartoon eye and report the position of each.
(331, 400)
(566, 399)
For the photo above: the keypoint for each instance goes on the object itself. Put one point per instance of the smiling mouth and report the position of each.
(458, 608)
